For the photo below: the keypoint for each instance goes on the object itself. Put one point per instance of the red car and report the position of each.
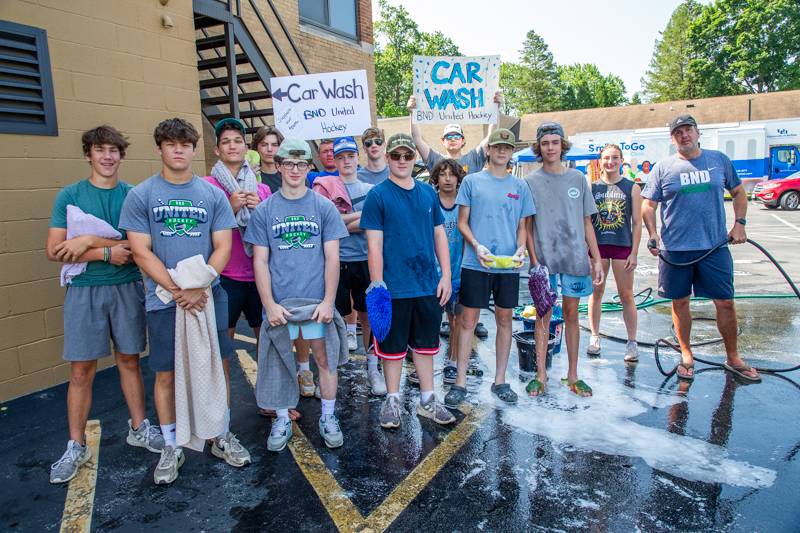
(784, 193)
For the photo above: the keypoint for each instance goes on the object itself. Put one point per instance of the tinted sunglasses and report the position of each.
(370, 142)
(407, 156)
(453, 137)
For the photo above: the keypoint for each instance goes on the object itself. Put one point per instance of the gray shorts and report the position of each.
(94, 314)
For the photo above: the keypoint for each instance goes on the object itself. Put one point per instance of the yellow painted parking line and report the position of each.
(79, 504)
(244, 338)
(341, 509)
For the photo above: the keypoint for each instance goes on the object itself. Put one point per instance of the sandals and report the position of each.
(504, 393)
(740, 370)
(535, 388)
(579, 387)
(686, 369)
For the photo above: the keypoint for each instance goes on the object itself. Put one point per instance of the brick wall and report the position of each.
(112, 62)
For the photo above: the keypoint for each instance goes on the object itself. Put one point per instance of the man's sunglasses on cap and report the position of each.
(370, 142)
(406, 156)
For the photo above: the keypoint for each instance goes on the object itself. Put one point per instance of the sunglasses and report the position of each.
(299, 165)
(370, 142)
(407, 156)
(453, 137)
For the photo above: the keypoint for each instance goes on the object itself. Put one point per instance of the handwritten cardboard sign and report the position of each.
(456, 89)
(319, 106)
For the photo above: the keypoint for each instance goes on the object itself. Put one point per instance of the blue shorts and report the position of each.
(311, 330)
(572, 286)
(710, 278)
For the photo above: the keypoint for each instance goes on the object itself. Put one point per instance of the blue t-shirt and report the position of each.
(496, 207)
(314, 175)
(455, 241)
(691, 193)
(353, 248)
(179, 218)
(407, 219)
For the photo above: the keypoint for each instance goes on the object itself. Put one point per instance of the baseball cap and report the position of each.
(502, 136)
(453, 128)
(681, 120)
(225, 121)
(400, 140)
(344, 144)
(549, 128)
(294, 149)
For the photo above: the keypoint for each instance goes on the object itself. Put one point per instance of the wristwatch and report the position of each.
(742, 221)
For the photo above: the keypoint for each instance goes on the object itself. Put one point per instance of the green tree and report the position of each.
(583, 86)
(397, 39)
(666, 78)
(515, 99)
(539, 80)
(746, 46)
(636, 99)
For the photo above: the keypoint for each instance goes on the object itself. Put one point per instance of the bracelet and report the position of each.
(106, 254)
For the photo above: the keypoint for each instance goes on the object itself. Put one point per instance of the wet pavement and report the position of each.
(642, 454)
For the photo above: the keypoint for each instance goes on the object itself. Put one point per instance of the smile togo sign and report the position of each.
(318, 106)
(456, 89)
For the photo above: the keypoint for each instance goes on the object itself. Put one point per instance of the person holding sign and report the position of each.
(405, 238)
(493, 206)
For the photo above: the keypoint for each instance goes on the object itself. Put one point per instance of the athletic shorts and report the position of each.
(161, 332)
(242, 298)
(611, 251)
(415, 325)
(93, 314)
(710, 278)
(353, 280)
(311, 330)
(477, 287)
(572, 286)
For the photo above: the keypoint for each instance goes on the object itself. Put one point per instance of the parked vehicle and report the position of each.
(783, 193)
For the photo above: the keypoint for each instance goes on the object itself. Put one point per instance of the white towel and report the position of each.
(80, 223)
(201, 404)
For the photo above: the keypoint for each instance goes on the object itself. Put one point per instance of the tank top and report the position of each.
(612, 223)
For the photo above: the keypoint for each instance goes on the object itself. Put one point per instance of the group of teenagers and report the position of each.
(298, 253)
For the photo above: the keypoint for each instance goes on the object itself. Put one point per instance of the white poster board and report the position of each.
(454, 89)
(319, 106)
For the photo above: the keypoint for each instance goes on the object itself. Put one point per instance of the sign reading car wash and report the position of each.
(456, 89)
(319, 106)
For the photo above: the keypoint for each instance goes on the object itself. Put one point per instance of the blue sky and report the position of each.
(617, 35)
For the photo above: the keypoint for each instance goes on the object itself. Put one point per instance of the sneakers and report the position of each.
(147, 436)
(66, 468)
(449, 374)
(390, 413)
(480, 331)
(632, 352)
(352, 340)
(279, 435)
(377, 383)
(231, 450)
(435, 411)
(594, 345)
(305, 378)
(455, 396)
(412, 377)
(330, 431)
(444, 329)
(167, 468)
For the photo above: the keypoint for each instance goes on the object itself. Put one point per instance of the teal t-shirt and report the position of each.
(105, 204)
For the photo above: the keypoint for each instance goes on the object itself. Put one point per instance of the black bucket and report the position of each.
(526, 349)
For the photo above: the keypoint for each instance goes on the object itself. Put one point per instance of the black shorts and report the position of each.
(477, 287)
(353, 280)
(415, 325)
(161, 333)
(242, 298)
(710, 278)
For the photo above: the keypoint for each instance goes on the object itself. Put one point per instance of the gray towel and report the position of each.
(276, 385)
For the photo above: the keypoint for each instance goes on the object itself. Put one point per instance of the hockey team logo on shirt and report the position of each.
(180, 217)
(695, 181)
(295, 230)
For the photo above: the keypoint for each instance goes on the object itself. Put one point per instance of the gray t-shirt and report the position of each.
(473, 161)
(496, 207)
(562, 203)
(295, 231)
(179, 219)
(354, 246)
(692, 201)
(373, 178)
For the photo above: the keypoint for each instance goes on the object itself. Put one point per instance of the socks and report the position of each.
(395, 395)
(372, 361)
(168, 430)
(425, 396)
(351, 327)
(328, 406)
(282, 413)
(303, 366)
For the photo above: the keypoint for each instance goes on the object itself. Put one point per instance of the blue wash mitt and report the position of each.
(379, 309)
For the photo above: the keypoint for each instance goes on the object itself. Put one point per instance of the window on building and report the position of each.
(729, 151)
(27, 104)
(338, 16)
(751, 149)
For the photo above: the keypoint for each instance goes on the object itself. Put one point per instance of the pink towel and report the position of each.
(334, 189)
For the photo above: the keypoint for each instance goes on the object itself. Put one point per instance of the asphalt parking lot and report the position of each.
(643, 454)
